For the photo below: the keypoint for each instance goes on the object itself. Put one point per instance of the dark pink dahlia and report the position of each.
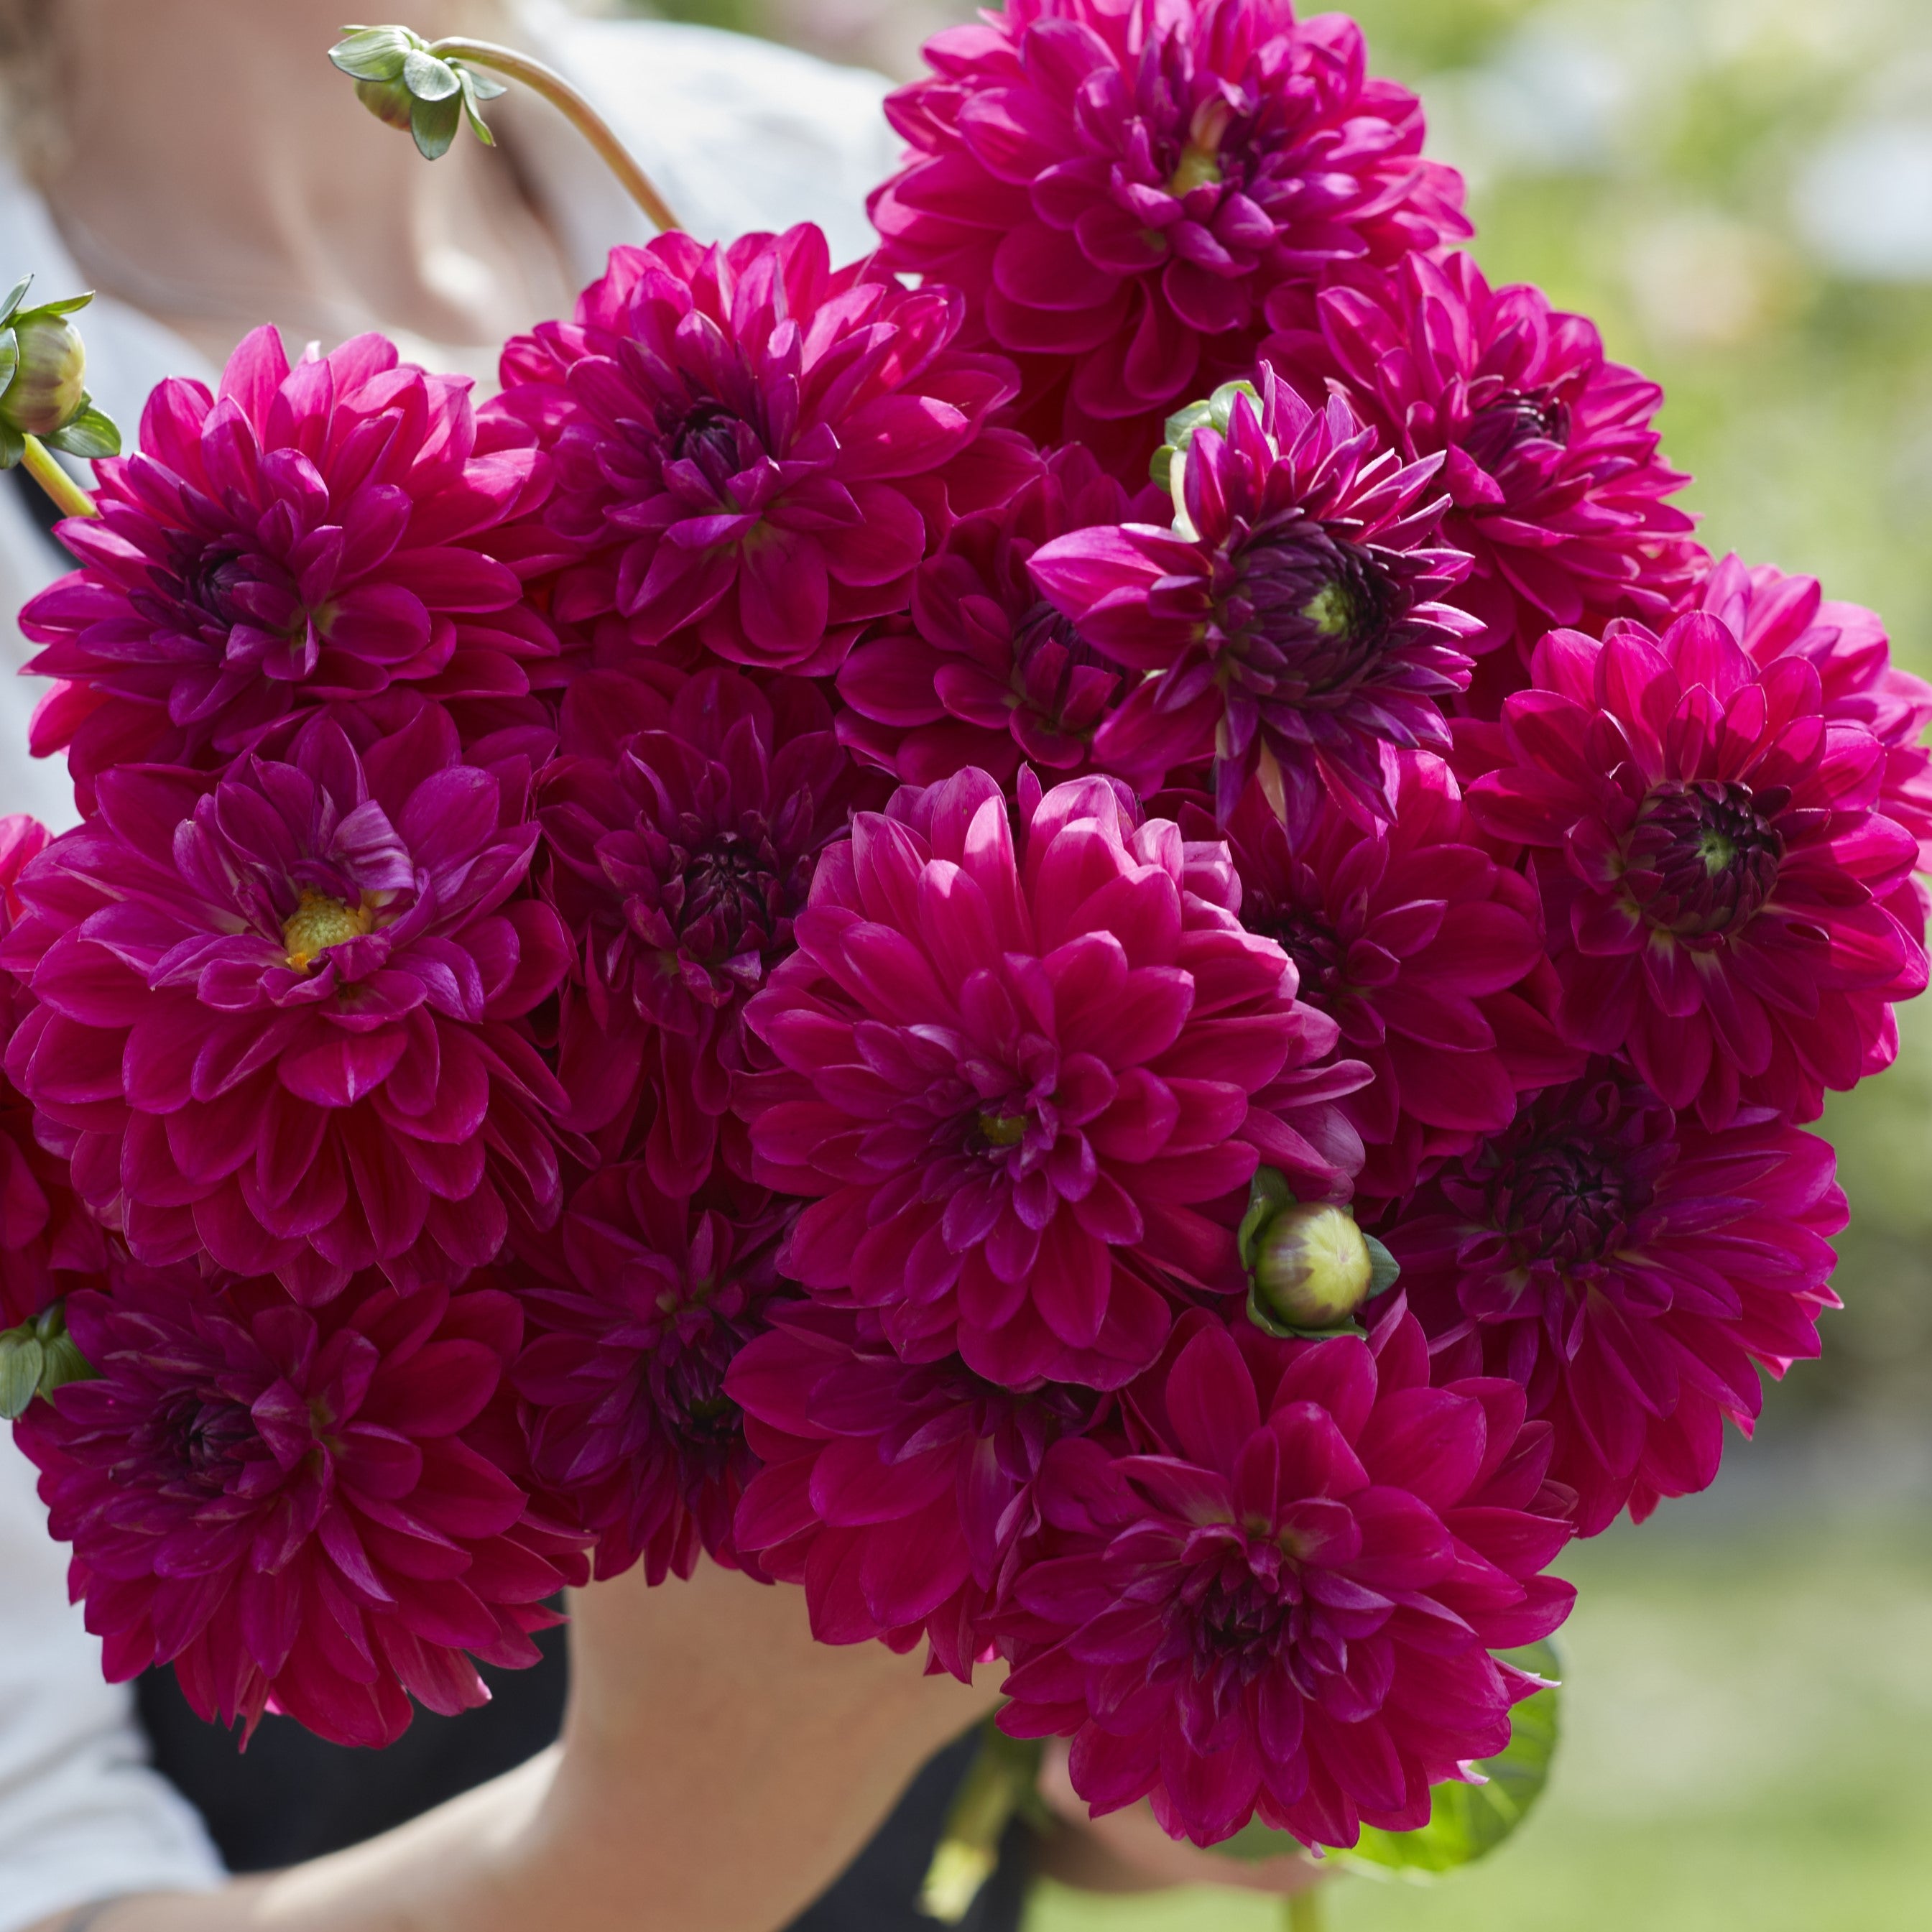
(1726, 901)
(628, 1344)
(1018, 1081)
(288, 1505)
(1425, 952)
(984, 671)
(274, 1011)
(1555, 485)
(323, 532)
(684, 819)
(898, 1494)
(1633, 1271)
(49, 1244)
(1277, 1599)
(1774, 616)
(1289, 623)
(750, 444)
(1116, 188)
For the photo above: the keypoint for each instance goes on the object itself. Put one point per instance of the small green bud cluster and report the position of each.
(1169, 466)
(42, 381)
(36, 1358)
(402, 81)
(1309, 1266)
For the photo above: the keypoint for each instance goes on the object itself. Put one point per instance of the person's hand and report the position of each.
(1127, 1851)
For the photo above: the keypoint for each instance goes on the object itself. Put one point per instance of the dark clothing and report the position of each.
(293, 1797)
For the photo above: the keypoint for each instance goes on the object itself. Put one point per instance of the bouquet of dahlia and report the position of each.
(1098, 935)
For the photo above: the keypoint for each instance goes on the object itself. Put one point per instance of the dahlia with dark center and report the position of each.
(1276, 1593)
(1018, 1078)
(276, 1011)
(49, 1244)
(1556, 489)
(1288, 625)
(1426, 953)
(1633, 1270)
(684, 820)
(754, 449)
(299, 1511)
(1774, 616)
(984, 670)
(645, 1303)
(899, 1495)
(316, 534)
(1726, 901)
(1117, 188)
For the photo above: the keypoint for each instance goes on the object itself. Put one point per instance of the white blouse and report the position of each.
(740, 134)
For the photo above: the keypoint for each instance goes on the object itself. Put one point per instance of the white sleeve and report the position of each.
(738, 134)
(83, 1813)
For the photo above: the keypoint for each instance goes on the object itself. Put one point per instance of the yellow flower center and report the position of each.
(1003, 1130)
(1198, 167)
(319, 921)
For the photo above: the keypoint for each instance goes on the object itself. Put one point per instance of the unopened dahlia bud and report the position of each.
(1309, 1266)
(36, 1358)
(1170, 460)
(43, 381)
(401, 80)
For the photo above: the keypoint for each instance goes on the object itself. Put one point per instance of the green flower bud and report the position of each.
(1309, 1266)
(50, 385)
(1168, 463)
(402, 81)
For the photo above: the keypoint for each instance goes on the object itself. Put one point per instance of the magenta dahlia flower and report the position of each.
(318, 533)
(1425, 952)
(1116, 187)
(1290, 623)
(1633, 1271)
(1774, 616)
(898, 1494)
(274, 1011)
(1725, 900)
(1018, 1081)
(684, 821)
(985, 671)
(49, 1244)
(1555, 485)
(623, 1373)
(751, 445)
(291, 1506)
(1281, 1604)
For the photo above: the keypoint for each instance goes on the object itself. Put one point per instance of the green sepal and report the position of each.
(17, 295)
(21, 1359)
(375, 53)
(473, 96)
(92, 434)
(36, 1358)
(67, 305)
(429, 79)
(434, 123)
(12, 446)
(1269, 1323)
(1216, 411)
(1466, 1822)
(9, 357)
(1268, 1194)
(1387, 1269)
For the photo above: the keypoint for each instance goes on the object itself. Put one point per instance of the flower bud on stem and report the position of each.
(430, 86)
(44, 405)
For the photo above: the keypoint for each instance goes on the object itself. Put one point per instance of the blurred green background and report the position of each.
(1740, 191)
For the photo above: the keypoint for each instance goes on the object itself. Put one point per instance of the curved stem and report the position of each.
(1305, 1911)
(69, 497)
(574, 109)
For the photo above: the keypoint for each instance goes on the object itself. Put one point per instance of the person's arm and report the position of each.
(718, 1769)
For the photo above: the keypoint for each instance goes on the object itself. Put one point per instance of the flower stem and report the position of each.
(574, 109)
(69, 497)
(1305, 1913)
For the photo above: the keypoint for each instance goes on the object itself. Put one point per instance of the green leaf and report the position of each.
(1387, 1269)
(90, 434)
(17, 295)
(1466, 1822)
(429, 79)
(21, 1358)
(375, 53)
(434, 124)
